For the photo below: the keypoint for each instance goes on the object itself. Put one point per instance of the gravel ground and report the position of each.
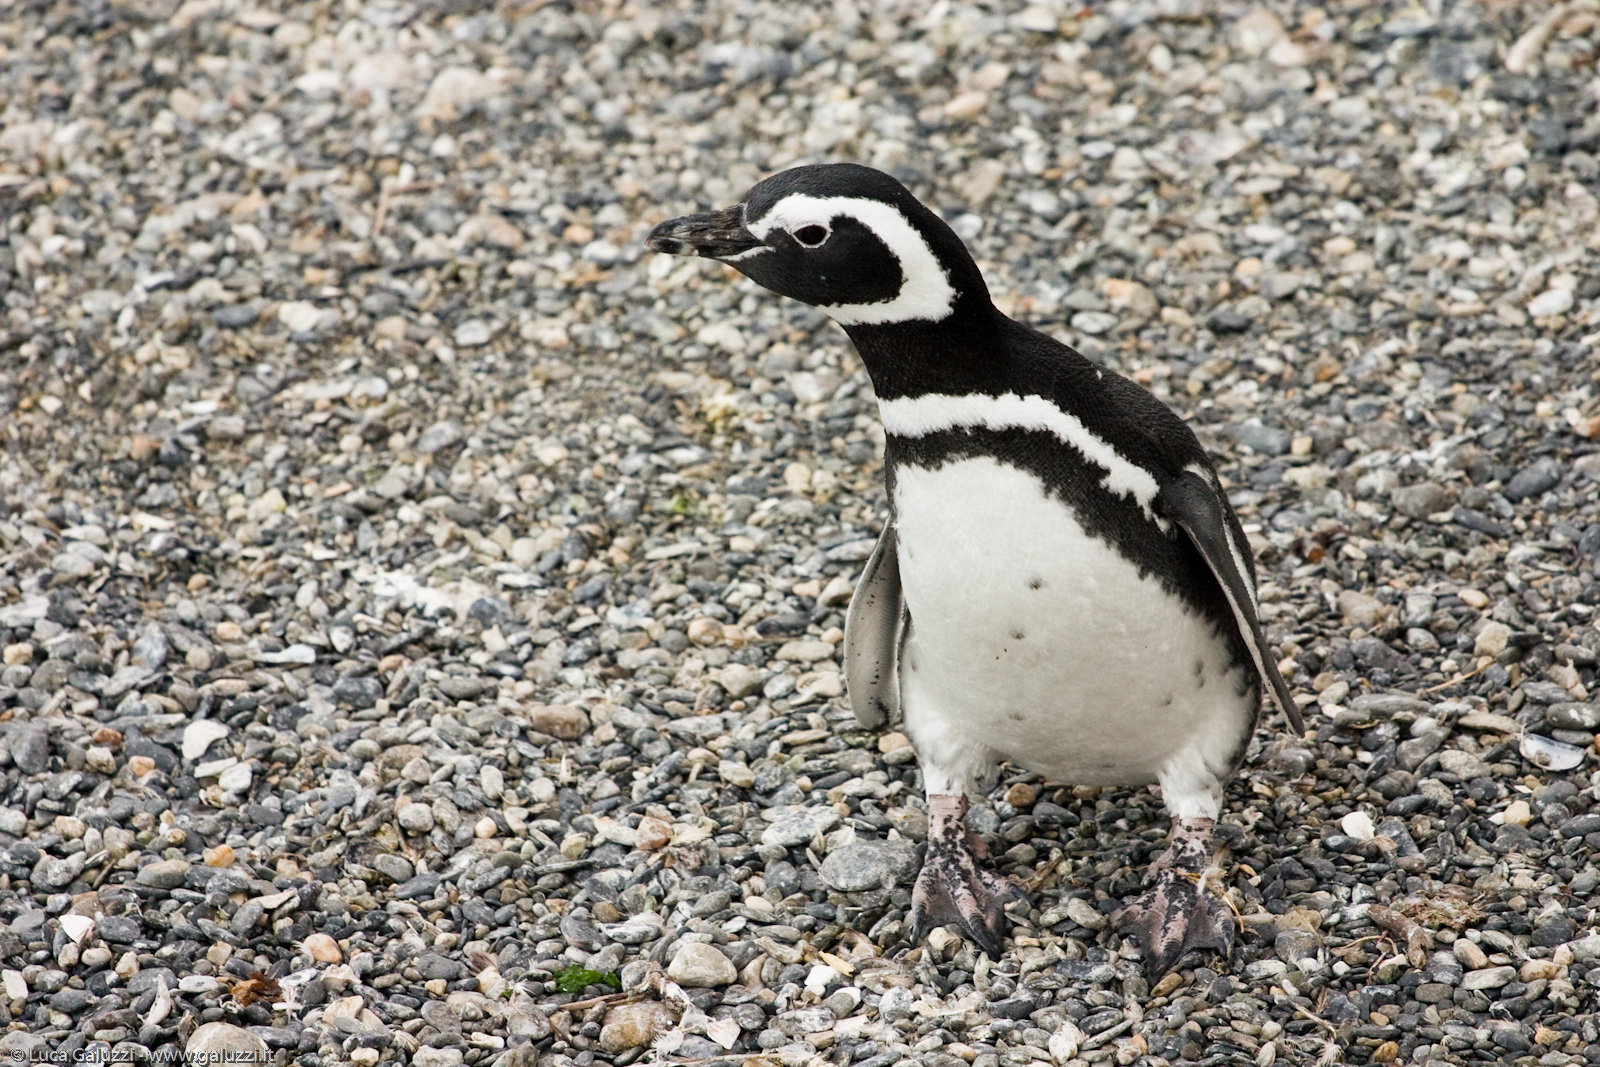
(413, 593)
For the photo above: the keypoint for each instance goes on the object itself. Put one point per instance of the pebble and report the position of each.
(799, 827)
(863, 865)
(628, 1026)
(697, 965)
(219, 1041)
(164, 874)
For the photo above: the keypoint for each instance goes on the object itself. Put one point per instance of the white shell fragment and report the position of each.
(1551, 755)
(1358, 824)
(199, 735)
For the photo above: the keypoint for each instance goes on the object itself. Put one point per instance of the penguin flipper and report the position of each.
(1198, 507)
(872, 637)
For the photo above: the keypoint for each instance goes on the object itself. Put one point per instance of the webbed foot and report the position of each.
(1178, 912)
(953, 886)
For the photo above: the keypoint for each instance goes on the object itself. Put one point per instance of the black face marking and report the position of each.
(1017, 635)
(847, 264)
(1036, 583)
(1199, 668)
(1167, 703)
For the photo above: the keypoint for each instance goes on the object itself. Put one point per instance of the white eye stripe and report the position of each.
(925, 290)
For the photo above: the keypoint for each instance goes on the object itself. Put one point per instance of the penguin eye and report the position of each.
(811, 236)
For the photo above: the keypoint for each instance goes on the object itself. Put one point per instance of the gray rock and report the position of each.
(1388, 705)
(869, 865)
(235, 316)
(1093, 323)
(799, 826)
(52, 873)
(217, 1041)
(1420, 500)
(30, 746)
(439, 436)
(1534, 480)
(432, 965)
(396, 868)
(1573, 716)
(1294, 945)
(1488, 978)
(802, 1021)
(698, 965)
(164, 874)
(1267, 440)
(150, 650)
(358, 692)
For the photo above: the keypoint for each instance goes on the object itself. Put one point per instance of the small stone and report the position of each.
(1358, 824)
(1488, 978)
(416, 818)
(433, 966)
(1471, 956)
(300, 316)
(892, 741)
(473, 332)
(1084, 914)
(1573, 716)
(652, 834)
(219, 1042)
(439, 436)
(1533, 480)
(558, 720)
(1256, 32)
(30, 747)
(163, 874)
(739, 681)
(863, 865)
(1360, 609)
(1517, 813)
(799, 826)
(428, 1056)
(631, 1025)
(736, 774)
(1093, 323)
(237, 779)
(199, 736)
(1492, 639)
(323, 948)
(1420, 500)
(1550, 302)
(698, 965)
(236, 316)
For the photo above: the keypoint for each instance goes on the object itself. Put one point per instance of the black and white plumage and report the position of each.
(1062, 584)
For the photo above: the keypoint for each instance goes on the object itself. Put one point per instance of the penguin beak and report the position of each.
(714, 235)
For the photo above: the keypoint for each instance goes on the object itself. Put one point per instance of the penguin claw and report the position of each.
(953, 888)
(1174, 916)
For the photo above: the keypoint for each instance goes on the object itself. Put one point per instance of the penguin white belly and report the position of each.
(1035, 642)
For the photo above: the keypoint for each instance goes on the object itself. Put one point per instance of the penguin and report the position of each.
(1061, 582)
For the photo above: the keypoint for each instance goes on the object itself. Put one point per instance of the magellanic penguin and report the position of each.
(1062, 582)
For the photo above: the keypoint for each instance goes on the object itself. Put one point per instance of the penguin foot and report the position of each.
(953, 887)
(1179, 912)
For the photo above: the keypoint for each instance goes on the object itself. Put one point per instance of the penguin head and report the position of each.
(849, 240)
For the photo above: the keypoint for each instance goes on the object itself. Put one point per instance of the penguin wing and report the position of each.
(1198, 507)
(872, 637)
